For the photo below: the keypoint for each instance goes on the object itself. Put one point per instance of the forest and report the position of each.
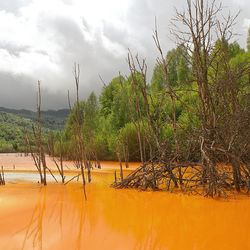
(110, 121)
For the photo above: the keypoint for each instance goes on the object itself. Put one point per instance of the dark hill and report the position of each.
(52, 119)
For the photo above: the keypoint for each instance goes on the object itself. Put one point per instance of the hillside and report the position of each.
(13, 122)
(11, 132)
(52, 119)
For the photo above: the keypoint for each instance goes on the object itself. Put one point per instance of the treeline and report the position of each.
(111, 121)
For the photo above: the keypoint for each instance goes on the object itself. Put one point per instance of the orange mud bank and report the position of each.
(58, 217)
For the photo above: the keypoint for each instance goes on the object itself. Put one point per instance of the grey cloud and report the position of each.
(114, 34)
(65, 31)
(14, 49)
(19, 91)
(93, 56)
(12, 5)
(85, 24)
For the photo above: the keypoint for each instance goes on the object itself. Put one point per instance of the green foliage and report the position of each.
(128, 136)
(235, 49)
(157, 82)
(12, 135)
(178, 66)
(114, 102)
(248, 40)
(110, 123)
(11, 132)
(52, 119)
(238, 63)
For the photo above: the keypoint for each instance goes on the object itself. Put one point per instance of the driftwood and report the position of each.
(190, 177)
(74, 177)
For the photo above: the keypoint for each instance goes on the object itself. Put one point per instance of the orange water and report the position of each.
(58, 217)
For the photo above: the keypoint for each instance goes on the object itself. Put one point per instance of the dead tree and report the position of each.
(169, 91)
(118, 154)
(97, 160)
(138, 70)
(80, 153)
(223, 108)
(38, 152)
(38, 135)
(201, 23)
(136, 115)
(126, 154)
(57, 160)
(2, 178)
(34, 155)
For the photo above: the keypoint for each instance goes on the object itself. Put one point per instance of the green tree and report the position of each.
(248, 40)
(178, 66)
(157, 82)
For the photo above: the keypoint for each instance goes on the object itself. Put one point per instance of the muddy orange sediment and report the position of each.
(58, 217)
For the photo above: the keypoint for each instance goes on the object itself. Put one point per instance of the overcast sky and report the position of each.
(41, 39)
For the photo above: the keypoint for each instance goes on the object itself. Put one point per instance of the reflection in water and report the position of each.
(58, 217)
(34, 230)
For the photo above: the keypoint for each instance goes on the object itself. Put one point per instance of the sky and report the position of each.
(41, 40)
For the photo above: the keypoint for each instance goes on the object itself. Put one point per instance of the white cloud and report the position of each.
(246, 23)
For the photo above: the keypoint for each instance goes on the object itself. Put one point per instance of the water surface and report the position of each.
(58, 217)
